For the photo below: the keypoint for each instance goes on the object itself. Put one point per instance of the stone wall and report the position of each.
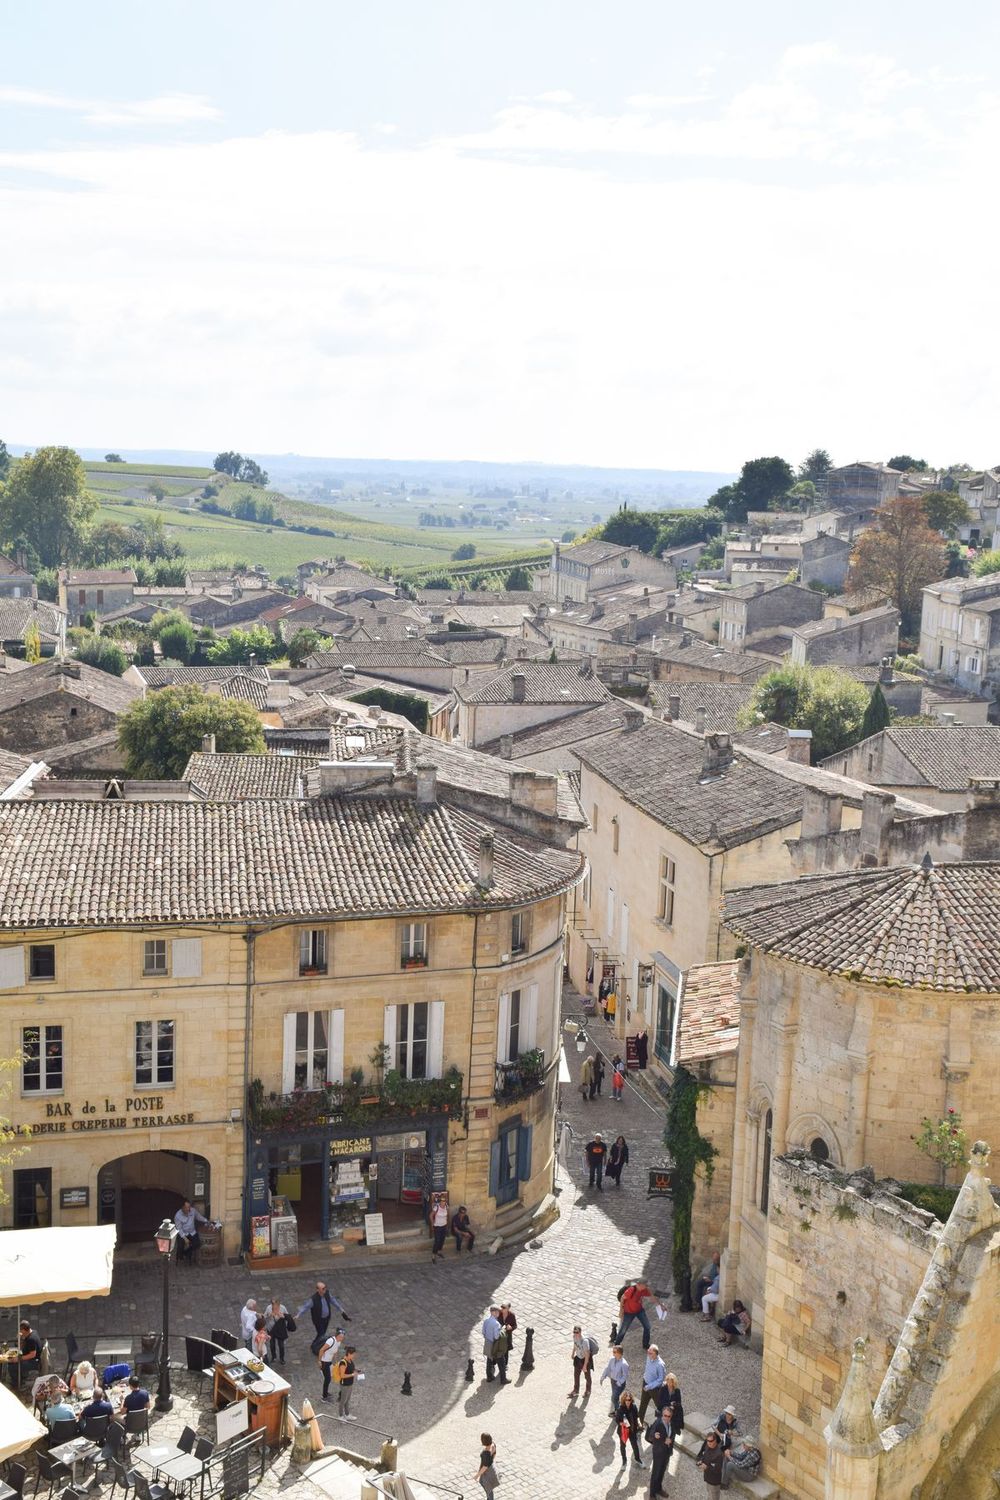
(57, 719)
(716, 1112)
(839, 1265)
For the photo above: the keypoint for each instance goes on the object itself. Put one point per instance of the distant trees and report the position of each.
(463, 553)
(32, 643)
(518, 580)
(877, 716)
(254, 508)
(4, 461)
(900, 555)
(824, 699)
(106, 656)
(157, 490)
(113, 458)
(304, 642)
(986, 563)
(178, 640)
(239, 645)
(239, 467)
(761, 481)
(568, 536)
(946, 511)
(815, 466)
(159, 733)
(907, 464)
(45, 502)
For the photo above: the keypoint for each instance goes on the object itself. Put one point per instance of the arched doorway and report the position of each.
(138, 1191)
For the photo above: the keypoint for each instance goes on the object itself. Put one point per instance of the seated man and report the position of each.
(136, 1398)
(59, 1410)
(187, 1220)
(99, 1407)
(30, 1362)
(462, 1229)
(706, 1276)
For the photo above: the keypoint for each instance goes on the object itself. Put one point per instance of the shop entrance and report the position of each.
(138, 1192)
(296, 1173)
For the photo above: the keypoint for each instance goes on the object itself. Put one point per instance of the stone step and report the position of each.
(696, 1424)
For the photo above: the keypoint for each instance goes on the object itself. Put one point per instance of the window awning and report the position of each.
(53, 1265)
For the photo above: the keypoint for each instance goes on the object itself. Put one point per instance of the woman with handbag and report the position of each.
(628, 1424)
(279, 1324)
(487, 1474)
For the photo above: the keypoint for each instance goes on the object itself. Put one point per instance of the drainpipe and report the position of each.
(247, 1030)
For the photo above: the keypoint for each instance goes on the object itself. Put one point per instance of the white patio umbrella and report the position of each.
(56, 1265)
(19, 1428)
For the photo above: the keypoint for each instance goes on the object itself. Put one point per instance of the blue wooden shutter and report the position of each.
(524, 1152)
(494, 1169)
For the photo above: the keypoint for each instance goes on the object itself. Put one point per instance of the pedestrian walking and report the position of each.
(461, 1229)
(495, 1346)
(584, 1349)
(586, 1078)
(617, 1081)
(486, 1473)
(616, 1370)
(627, 1418)
(611, 1007)
(711, 1459)
(276, 1322)
(653, 1377)
(326, 1356)
(631, 1298)
(345, 1374)
(661, 1445)
(248, 1321)
(439, 1223)
(617, 1160)
(598, 1073)
(672, 1406)
(508, 1323)
(320, 1309)
(596, 1152)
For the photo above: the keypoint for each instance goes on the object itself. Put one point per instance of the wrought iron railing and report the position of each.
(517, 1079)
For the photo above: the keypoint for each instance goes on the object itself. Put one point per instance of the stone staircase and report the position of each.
(696, 1424)
(515, 1224)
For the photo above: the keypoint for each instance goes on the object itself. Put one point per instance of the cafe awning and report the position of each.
(55, 1265)
(19, 1428)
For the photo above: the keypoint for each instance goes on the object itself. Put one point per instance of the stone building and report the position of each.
(862, 485)
(934, 765)
(861, 640)
(577, 572)
(97, 591)
(960, 631)
(522, 695)
(370, 970)
(754, 610)
(58, 702)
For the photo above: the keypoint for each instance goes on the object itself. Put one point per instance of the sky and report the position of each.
(644, 234)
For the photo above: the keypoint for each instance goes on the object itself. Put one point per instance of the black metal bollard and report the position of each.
(687, 1304)
(528, 1357)
(614, 1334)
(407, 1387)
(469, 1375)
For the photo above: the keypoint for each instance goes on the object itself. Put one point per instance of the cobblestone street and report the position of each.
(425, 1318)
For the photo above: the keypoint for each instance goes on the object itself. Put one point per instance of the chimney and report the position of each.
(877, 812)
(335, 778)
(517, 684)
(982, 819)
(631, 629)
(374, 712)
(633, 718)
(253, 659)
(506, 747)
(348, 669)
(718, 754)
(426, 785)
(885, 675)
(685, 638)
(537, 790)
(799, 746)
(208, 744)
(700, 714)
(674, 706)
(485, 880)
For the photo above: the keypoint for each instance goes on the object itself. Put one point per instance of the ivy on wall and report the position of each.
(688, 1150)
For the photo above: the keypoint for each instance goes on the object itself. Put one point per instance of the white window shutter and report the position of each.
(389, 1034)
(288, 1054)
(185, 958)
(335, 1060)
(11, 968)
(503, 1029)
(625, 928)
(611, 915)
(529, 1017)
(435, 1039)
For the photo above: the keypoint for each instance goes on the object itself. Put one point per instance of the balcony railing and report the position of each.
(523, 1076)
(356, 1103)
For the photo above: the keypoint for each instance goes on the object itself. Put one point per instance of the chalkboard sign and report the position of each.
(660, 1183)
(235, 1473)
(631, 1052)
(286, 1236)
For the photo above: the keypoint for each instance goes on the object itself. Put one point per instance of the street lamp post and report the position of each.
(165, 1236)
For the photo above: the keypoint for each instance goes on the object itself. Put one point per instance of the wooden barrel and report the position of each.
(210, 1252)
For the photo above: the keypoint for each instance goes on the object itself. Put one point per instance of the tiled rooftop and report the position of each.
(544, 682)
(76, 678)
(17, 614)
(923, 927)
(944, 758)
(709, 1021)
(156, 677)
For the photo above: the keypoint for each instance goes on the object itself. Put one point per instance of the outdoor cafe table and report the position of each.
(181, 1470)
(155, 1455)
(74, 1452)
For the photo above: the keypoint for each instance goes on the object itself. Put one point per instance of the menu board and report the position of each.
(260, 1236)
(231, 1421)
(374, 1229)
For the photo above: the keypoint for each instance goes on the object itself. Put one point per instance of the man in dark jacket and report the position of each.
(320, 1308)
(661, 1444)
(711, 1460)
(596, 1152)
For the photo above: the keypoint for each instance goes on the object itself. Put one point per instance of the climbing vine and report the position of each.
(688, 1150)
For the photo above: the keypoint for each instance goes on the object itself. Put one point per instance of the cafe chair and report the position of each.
(15, 1477)
(136, 1425)
(147, 1362)
(96, 1428)
(146, 1491)
(51, 1472)
(186, 1440)
(62, 1432)
(74, 1354)
(121, 1478)
(203, 1449)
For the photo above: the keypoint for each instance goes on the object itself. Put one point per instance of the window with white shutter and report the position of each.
(11, 968)
(185, 958)
(335, 1065)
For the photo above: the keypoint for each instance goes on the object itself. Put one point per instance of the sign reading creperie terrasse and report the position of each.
(142, 1113)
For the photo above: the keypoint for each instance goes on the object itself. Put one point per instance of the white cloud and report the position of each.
(164, 109)
(555, 96)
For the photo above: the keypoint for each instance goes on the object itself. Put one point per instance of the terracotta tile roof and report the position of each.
(830, 625)
(544, 682)
(74, 863)
(924, 927)
(368, 656)
(243, 686)
(462, 651)
(709, 1021)
(571, 729)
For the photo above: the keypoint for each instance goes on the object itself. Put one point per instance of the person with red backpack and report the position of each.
(631, 1310)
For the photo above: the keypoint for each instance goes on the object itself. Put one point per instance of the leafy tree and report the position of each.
(46, 502)
(689, 1150)
(761, 481)
(463, 553)
(824, 699)
(956, 560)
(632, 528)
(946, 511)
(518, 580)
(944, 1141)
(159, 733)
(228, 463)
(877, 716)
(4, 461)
(907, 464)
(816, 466)
(683, 528)
(242, 468)
(304, 642)
(177, 640)
(105, 655)
(805, 492)
(32, 643)
(10, 1139)
(110, 542)
(568, 536)
(900, 555)
(113, 458)
(239, 645)
(157, 490)
(986, 563)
